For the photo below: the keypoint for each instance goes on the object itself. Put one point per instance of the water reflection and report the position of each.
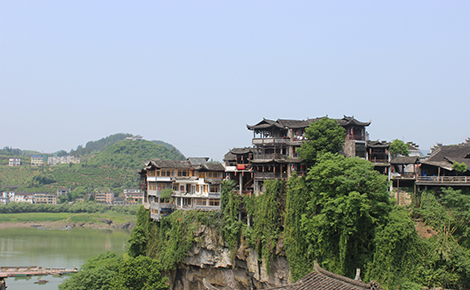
(54, 248)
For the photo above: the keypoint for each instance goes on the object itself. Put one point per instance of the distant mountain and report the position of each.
(133, 153)
(115, 167)
(93, 147)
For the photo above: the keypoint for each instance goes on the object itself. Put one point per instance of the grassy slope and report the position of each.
(116, 168)
(67, 217)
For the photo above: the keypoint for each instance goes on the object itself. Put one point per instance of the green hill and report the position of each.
(115, 168)
(93, 147)
(132, 154)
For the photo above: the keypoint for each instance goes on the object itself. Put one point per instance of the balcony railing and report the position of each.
(267, 175)
(443, 179)
(356, 137)
(270, 141)
(375, 160)
(270, 156)
(403, 175)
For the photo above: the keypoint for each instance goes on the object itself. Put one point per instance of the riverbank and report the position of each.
(108, 220)
(64, 225)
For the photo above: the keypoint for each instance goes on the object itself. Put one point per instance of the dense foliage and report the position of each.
(99, 145)
(83, 206)
(398, 147)
(132, 154)
(114, 169)
(340, 214)
(110, 271)
(324, 135)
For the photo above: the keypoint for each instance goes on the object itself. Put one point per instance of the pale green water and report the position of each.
(54, 248)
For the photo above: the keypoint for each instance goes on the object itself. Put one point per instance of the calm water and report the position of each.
(54, 248)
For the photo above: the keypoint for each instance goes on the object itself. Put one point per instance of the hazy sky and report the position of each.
(194, 73)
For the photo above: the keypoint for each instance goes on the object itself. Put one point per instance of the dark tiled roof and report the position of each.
(159, 163)
(244, 150)
(378, 144)
(446, 155)
(295, 124)
(320, 279)
(198, 160)
(213, 166)
(404, 160)
(347, 121)
(265, 124)
(231, 155)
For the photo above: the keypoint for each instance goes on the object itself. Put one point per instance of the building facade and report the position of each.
(194, 183)
(275, 146)
(133, 195)
(36, 161)
(62, 160)
(14, 161)
(45, 198)
(106, 197)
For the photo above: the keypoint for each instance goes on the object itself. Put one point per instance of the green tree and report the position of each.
(459, 167)
(348, 200)
(139, 273)
(300, 262)
(399, 147)
(96, 274)
(140, 234)
(324, 135)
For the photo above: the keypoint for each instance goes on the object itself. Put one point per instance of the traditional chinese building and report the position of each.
(275, 146)
(194, 183)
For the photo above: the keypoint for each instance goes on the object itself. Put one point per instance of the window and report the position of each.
(214, 202)
(214, 188)
(201, 201)
(183, 172)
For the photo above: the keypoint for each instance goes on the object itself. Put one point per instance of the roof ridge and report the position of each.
(320, 270)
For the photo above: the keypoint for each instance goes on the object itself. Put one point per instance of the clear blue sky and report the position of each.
(194, 73)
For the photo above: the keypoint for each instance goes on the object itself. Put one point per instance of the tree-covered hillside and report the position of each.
(98, 146)
(113, 169)
(132, 154)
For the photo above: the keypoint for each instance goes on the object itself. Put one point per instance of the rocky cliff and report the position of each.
(210, 258)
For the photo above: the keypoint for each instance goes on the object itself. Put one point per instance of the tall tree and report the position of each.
(399, 147)
(348, 201)
(324, 135)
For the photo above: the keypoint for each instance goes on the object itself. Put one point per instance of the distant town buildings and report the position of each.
(63, 191)
(134, 138)
(62, 160)
(104, 197)
(133, 195)
(14, 161)
(36, 160)
(45, 198)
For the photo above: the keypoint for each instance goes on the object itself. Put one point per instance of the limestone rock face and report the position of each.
(209, 258)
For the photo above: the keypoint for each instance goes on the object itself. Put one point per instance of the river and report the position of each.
(54, 248)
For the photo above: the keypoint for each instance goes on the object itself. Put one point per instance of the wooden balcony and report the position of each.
(267, 175)
(376, 160)
(270, 156)
(443, 180)
(403, 175)
(270, 141)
